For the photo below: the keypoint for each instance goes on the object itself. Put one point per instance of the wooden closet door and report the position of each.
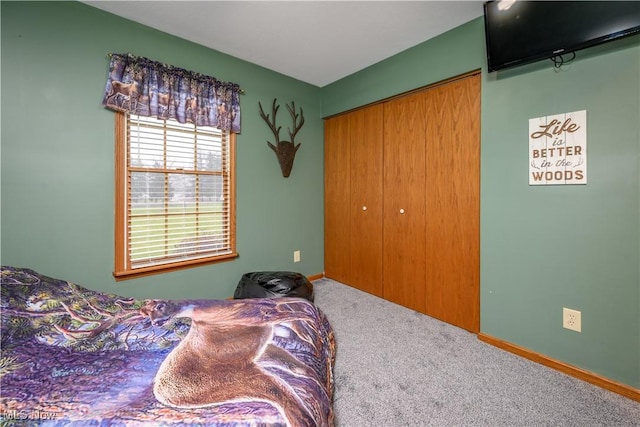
(453, 203)
(366, 199)
(404, 201)
(337, 198)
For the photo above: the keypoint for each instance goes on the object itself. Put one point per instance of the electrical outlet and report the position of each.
(571, 319)
(296, 256)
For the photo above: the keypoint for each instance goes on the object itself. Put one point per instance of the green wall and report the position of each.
(548, 247)
(58, 154)
(544, 248)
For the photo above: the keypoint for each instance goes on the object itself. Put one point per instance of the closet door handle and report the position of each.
(402, 211)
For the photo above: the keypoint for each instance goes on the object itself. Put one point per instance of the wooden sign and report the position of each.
(558, 149)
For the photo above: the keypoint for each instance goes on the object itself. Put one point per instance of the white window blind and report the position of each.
(178, 192)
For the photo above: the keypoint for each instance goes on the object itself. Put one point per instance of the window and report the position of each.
(175, 195)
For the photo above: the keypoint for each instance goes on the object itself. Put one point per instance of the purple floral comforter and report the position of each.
(72, 356)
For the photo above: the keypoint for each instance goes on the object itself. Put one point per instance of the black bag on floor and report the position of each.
(274, 284)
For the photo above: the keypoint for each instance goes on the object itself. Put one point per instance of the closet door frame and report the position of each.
(420, 269)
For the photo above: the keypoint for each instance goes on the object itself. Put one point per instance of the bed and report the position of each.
(73, 356)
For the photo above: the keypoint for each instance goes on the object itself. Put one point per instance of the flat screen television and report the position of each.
(521, 32)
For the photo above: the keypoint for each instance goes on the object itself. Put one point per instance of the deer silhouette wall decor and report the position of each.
(285, 150)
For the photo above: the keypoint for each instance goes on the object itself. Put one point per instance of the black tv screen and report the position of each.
(520, 32)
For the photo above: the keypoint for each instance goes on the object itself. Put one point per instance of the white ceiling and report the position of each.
(317, 42)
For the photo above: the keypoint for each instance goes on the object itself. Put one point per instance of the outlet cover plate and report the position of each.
(571, 319)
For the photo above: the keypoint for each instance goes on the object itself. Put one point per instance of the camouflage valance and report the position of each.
(144, 87)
